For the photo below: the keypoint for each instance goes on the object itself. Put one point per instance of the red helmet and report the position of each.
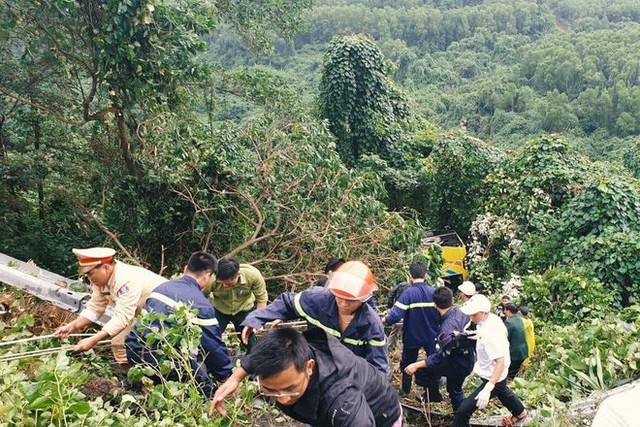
(353, 280)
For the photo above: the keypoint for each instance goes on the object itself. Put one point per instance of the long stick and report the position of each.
(43, 352)
(39, 337)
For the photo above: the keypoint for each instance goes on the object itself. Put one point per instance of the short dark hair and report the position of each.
(524, 310)
(511, 307)
(479, 287)
(277, 350)
(505, 296)
(202, 262)
(333, 264)
(417, 270)
(443, 297)
(228, 268)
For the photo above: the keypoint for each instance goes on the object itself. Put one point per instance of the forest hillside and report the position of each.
(285, 132)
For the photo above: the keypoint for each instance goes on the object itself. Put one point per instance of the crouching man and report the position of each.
(212, 356)
(315, 379)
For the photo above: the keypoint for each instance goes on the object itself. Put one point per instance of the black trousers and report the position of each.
(501, 391)
(236, 319)
(514, 368)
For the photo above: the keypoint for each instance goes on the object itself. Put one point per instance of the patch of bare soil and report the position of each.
(99, 387)
(46, 317)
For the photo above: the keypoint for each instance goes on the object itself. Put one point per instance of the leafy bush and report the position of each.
(597, 354)
(613, 256)
(565, 296)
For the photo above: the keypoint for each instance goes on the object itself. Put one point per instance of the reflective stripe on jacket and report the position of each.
(214, 352)
(421, 319)
(364, 336)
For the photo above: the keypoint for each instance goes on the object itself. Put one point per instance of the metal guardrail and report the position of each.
(45, 285)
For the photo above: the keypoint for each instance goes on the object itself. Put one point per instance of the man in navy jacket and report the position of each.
(316, 380)
(340, 309)
(456, 354)
(212, 356)
(421, 321)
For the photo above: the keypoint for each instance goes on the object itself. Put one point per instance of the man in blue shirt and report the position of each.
(213, 355)
(456, 353)
(420, 328)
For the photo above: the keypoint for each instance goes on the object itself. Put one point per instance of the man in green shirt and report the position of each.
(237, 291)
(518, 348)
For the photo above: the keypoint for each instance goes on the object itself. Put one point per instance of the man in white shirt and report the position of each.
(492, 365)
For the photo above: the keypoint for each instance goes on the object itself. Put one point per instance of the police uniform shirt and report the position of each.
(128, 287)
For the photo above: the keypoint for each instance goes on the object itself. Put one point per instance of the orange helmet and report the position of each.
(353, 281)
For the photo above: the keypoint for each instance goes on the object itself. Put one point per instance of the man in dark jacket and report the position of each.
(518, 348)
(420, 328)
(456, 354)
(164, 299)
(314, 379)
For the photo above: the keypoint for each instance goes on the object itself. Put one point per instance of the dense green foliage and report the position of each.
(140, 147)
(548, 206)
(364, 110)
(506, 70)
(161, 128)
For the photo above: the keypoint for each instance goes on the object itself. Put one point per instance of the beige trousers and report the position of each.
(117, 344)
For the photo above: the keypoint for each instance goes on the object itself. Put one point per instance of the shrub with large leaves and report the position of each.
(564, 296)
(613, 257)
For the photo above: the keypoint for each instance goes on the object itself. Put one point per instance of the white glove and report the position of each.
(484, 396)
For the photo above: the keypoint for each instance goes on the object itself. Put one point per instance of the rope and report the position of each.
(296, 324)
(43, 352)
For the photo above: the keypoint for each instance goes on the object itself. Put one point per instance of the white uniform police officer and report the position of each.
(127, 286)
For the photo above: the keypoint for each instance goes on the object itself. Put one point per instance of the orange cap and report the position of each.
(353, 280)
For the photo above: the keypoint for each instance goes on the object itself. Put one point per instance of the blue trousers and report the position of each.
(455, 369)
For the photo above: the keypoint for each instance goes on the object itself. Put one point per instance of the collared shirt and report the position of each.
(518, 348)
(343, 390)
(364, 336)
(492, 344)
(128, 287)
(242, 296)
(421, 319)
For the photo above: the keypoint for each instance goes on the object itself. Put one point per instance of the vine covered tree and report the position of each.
(365, 111)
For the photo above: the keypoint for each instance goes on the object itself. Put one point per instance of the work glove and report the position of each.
(482, 399)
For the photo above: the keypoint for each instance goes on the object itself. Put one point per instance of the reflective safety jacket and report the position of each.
(364, 336)
(213, 351)
(343, 390)
(421, 319)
